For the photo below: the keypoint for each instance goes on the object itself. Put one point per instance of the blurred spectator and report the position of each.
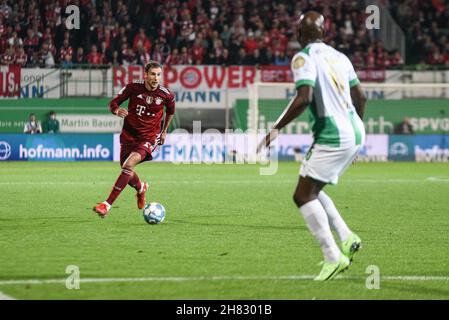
(142, 39)
(173, 58)
(127, 55)
(250, 43)
(46, 56)
(115, 60)
(95, 57)
(8, 56)
(15, 40)
(143, 56)
(31, 42)
(80, 58)
(226, 58)
(242, 58)
(20, 57)
(281, 59)
(197, 52)
(65, 50)
(32, 126)
(5, 9)
(51, 124)
(404, 127)
(67, 63)
(34, 61)
(185, 57)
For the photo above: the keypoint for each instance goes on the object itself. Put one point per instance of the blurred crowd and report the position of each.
(426, 25)
(224, 32)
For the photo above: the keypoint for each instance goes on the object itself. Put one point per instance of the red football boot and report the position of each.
(102, 209)
(141, 196)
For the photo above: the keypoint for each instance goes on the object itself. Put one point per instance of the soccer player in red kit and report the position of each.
(141, 132)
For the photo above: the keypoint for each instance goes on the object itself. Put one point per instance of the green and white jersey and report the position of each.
(334, 120)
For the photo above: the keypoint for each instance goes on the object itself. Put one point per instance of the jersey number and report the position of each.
(336, 80)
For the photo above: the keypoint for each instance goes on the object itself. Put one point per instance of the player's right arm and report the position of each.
(114, 105)
(304, 74)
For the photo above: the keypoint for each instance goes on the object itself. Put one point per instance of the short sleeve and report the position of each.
(122, 95)
(352, 76)
(304, 70)
(170, 104)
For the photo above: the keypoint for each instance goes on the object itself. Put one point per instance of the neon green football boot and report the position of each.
(331, 270)
(350, 246)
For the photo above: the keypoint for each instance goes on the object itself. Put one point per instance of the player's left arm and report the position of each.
(169, 114)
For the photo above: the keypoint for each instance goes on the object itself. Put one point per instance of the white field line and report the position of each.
(218, 278)
(5, 297)
(256, 181)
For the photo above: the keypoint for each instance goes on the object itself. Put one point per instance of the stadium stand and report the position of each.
(217, 32)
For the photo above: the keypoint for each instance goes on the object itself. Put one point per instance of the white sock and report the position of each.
(335, 220)
(107, 205)
(316, 220)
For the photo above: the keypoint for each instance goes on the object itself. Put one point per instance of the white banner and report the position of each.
(90, 123)
(219, 148)
(40, 83)
(375, 148)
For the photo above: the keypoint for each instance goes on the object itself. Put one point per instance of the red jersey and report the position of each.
(145, 111)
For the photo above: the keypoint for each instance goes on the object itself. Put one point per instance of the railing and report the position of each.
(94, 77)
(97, 86)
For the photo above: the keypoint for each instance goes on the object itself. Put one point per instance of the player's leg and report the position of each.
(123, 179)
(141, 189)
(306, 198)
(336, 222)
(135, 182)
(145, 151)
(350, 242)
(141, 192)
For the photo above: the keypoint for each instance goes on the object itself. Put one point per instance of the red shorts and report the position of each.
(143, 148)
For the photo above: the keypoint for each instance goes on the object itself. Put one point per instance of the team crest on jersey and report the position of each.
(149, 100)
(298, 62)
(158, 100)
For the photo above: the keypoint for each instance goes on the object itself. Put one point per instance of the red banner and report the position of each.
(276, 74)
(10, 81)
(371, 75)
(197, 86)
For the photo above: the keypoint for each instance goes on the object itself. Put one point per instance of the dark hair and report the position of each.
(152, 64)
(52, 112)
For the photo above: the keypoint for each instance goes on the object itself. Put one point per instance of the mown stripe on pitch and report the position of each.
(219, 278)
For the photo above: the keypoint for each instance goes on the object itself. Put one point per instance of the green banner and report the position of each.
(14, 113)
(74, 114)
(427, 116)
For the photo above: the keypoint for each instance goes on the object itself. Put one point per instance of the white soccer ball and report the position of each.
(154, 213)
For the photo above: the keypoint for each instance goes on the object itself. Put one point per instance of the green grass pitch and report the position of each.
(229, 233)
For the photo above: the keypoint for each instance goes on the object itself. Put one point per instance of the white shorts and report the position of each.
(326, 164)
